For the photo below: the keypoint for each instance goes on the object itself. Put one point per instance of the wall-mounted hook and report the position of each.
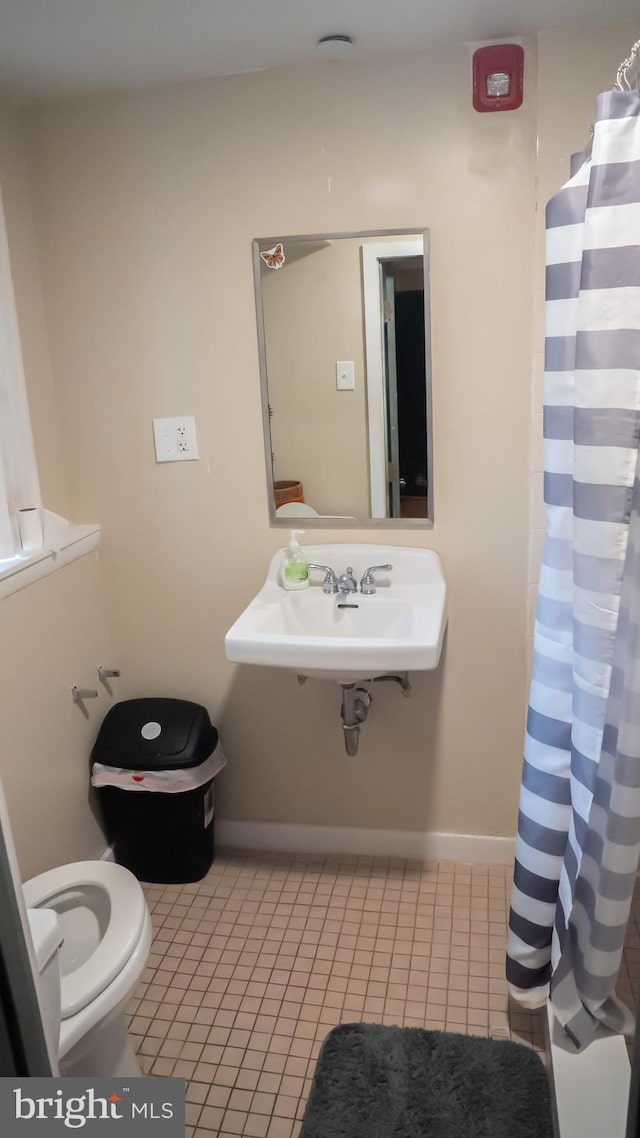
(107, 673)
(80, 694)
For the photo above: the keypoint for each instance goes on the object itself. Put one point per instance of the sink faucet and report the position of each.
(347, 582)
(368, 582)
(330, 583)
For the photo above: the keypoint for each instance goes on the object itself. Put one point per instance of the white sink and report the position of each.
(400, 628)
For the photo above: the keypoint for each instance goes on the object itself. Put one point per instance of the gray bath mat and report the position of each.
(402, 1082)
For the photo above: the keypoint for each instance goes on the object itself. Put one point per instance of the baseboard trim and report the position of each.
(107, 854)
(478, 849)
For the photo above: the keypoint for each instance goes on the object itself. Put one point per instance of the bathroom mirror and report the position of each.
(344, 339)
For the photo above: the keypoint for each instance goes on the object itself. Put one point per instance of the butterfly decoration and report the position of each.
(274, 258)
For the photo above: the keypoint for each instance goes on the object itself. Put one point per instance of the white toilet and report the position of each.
(91, 962)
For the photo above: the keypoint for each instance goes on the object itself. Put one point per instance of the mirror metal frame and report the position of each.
(326, 521)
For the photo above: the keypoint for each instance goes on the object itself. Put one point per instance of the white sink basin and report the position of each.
(400, 628)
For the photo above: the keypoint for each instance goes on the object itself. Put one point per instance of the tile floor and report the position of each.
(252, 967)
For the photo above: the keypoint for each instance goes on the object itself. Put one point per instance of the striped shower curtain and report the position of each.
(579, 822)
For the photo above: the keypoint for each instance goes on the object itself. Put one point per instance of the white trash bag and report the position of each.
(167, 782)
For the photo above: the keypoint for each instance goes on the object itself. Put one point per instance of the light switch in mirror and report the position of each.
(344, 339)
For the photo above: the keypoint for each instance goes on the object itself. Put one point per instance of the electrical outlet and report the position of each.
(175, 439)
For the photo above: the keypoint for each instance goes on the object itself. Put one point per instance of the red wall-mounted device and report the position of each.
(498, 73)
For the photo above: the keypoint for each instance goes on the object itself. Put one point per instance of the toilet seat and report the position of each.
(127, 911)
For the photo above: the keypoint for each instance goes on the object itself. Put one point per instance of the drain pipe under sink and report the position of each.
(355, 708)
(356, 702)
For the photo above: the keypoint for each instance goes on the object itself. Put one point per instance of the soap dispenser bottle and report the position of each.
(295, 567)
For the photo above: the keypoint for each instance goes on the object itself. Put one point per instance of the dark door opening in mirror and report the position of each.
(406, 396)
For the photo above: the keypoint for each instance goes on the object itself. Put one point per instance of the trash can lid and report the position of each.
(155, 734)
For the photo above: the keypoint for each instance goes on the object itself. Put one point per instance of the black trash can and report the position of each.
(153, 765)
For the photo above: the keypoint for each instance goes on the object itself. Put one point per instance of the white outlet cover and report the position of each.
(175, 439)
(345, 375)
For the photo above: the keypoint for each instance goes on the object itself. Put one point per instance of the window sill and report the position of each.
(23, 571)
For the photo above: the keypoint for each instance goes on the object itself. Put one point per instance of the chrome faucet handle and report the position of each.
(330, 583)
(347, 582)
(368, 582)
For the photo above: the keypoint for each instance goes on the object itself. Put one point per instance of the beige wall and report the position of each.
(146, 204)
(313, 317)
(53, 633)
(58, 635)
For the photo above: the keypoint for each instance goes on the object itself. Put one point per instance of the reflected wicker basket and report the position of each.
(287, 491)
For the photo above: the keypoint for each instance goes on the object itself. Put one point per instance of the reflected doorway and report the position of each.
(405, 392)
(395, 290)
